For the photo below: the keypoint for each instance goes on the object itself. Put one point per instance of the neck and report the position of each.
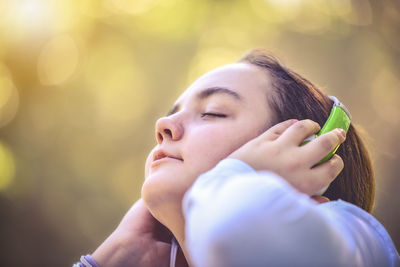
(176, 224)
(178, 230)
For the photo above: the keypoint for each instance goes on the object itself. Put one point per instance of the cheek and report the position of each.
(213, 146)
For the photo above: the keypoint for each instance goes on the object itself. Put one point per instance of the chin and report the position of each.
(159, 191)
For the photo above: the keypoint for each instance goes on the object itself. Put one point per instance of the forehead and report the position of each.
(250, 82)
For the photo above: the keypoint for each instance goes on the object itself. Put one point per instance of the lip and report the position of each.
(161, 155)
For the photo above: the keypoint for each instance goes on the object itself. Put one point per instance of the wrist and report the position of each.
(119, 249)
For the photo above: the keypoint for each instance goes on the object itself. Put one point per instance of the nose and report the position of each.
(167, 128)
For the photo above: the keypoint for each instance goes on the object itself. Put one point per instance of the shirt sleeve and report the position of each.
(236, 216)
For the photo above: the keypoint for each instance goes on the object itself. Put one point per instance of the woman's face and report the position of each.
(216, 115)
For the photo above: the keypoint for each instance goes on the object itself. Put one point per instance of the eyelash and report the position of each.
(218, 115)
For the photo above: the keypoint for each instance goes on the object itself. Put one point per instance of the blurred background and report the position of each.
(82, 83)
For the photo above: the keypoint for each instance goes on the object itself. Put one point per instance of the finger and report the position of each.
(299, 131)
(325, 173)
(320, 199)
(318, 148)
(275, 131)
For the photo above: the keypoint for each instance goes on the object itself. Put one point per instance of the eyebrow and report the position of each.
(208, 92)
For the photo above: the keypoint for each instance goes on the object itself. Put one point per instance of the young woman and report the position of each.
(228, 183)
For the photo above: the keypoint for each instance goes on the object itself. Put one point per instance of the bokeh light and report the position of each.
(7, 167)
(27, 19)
(116, 81)
(135, 8)
(276, 11)
(210, 59)
(58, 60)
(172, 19)
(9, 97)
(385, 95)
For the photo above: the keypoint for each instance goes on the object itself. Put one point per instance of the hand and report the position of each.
(139, 240)
(278, 150)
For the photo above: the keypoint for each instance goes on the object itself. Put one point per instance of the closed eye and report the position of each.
(219, 115)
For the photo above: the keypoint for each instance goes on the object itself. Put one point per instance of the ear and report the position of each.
(320, 199)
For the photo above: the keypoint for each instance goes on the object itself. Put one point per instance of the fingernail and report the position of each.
(293, 121)
(342, 132)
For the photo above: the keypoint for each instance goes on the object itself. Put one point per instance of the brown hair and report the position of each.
(294, 97)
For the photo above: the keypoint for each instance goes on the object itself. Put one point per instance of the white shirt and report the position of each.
(236, 216)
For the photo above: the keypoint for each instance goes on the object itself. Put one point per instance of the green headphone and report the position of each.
(338, 118)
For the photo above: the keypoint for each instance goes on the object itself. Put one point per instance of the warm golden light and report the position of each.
(9, 97)
(116, 82)
(132, 7)
(385, 96)
(58, 60)
(210, 59)
(6, 91)
(29, 18)
(276, 11)
(7, 167)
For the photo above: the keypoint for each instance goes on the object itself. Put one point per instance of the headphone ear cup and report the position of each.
(339, 117)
